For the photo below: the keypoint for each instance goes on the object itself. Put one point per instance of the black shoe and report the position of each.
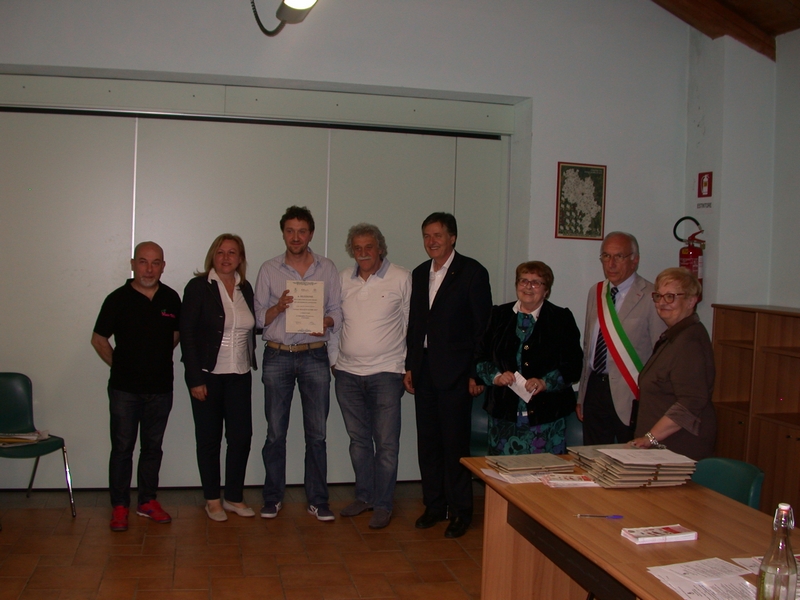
(429, 518)
(458, 527)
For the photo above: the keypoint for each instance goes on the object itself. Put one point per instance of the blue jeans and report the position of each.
(371, 410)
(146, 414)
(311, 371)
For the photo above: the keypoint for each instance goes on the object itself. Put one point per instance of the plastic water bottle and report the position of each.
(777, 577)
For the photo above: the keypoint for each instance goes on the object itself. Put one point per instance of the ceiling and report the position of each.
(754, 23)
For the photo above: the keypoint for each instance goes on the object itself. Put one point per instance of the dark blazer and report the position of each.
(454, 324)
(678, 381)
(555, 343)
(202, 325)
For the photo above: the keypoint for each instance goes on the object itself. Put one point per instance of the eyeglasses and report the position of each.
(606, 257)
(668, 298)
(530, 283)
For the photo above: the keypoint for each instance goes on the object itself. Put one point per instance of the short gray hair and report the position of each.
(366, 229)
(685, 279)
(631, 239)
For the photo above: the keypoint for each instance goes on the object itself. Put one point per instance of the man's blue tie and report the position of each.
(601, 350)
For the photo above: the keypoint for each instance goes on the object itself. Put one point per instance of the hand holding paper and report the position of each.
(305, 313)
(518, 387)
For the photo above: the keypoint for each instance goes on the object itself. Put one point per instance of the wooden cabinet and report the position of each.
(776, 450)
(757, 394)
(732, 426)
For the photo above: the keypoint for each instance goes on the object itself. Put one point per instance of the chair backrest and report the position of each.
(16, 403)
(574, 432)
(479, 434)
(732, 478)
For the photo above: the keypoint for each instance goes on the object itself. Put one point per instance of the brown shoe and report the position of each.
(380, 518)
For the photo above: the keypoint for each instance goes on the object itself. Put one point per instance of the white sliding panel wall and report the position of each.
(196, 180)
(65, 232)
(393, 181)
(77, 191)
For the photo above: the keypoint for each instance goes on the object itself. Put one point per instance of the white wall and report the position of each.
(747, 176)
(704, 143)
(731, 108)
(785, 283)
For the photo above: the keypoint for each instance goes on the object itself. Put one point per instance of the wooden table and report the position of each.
(535, 547)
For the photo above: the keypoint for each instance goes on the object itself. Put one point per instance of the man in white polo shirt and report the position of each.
(369, 368)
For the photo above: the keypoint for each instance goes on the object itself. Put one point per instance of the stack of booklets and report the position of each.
(657, 535)
(20, 439)
(530, 463)
(631, 467)
(585, 456)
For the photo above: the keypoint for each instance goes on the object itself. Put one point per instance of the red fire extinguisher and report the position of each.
(691, 254)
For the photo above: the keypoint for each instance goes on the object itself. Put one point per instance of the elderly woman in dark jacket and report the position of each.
(676, 384)
(218, 344)
(541, 342)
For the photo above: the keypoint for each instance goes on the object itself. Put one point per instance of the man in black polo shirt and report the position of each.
(142, 316)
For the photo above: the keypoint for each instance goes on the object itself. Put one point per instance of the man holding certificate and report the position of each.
(298, 304)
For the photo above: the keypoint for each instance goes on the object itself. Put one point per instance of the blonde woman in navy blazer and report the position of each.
(218, 344)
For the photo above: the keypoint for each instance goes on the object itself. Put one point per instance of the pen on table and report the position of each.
(599, 516)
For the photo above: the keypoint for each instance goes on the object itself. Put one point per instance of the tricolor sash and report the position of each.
(619, 346)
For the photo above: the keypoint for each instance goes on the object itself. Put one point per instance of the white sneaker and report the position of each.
(271, 510)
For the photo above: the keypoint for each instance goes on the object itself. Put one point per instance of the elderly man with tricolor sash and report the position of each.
(621, 328)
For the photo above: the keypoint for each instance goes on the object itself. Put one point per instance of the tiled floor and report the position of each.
(46, 554)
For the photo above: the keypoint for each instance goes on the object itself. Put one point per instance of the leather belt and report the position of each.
(296, 347)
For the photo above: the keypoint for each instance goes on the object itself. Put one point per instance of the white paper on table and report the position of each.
(731, 588)
(306, 312)
(699, 571)
(752, 564)
(518, 387)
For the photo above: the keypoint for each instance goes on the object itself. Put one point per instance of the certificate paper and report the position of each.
(305, 313)
(518, 387)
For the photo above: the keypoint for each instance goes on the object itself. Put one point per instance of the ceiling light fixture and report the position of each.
(290, 11)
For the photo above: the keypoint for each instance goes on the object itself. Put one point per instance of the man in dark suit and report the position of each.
(450, 304)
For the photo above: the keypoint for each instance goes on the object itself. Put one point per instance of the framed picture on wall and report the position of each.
(580, 201)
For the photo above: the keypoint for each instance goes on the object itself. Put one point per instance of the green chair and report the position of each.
(479, 432)
(732, 478)
(574, 432)
(16, 416)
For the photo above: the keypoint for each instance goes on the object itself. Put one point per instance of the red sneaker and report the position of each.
(153, 510)
(119, 518)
